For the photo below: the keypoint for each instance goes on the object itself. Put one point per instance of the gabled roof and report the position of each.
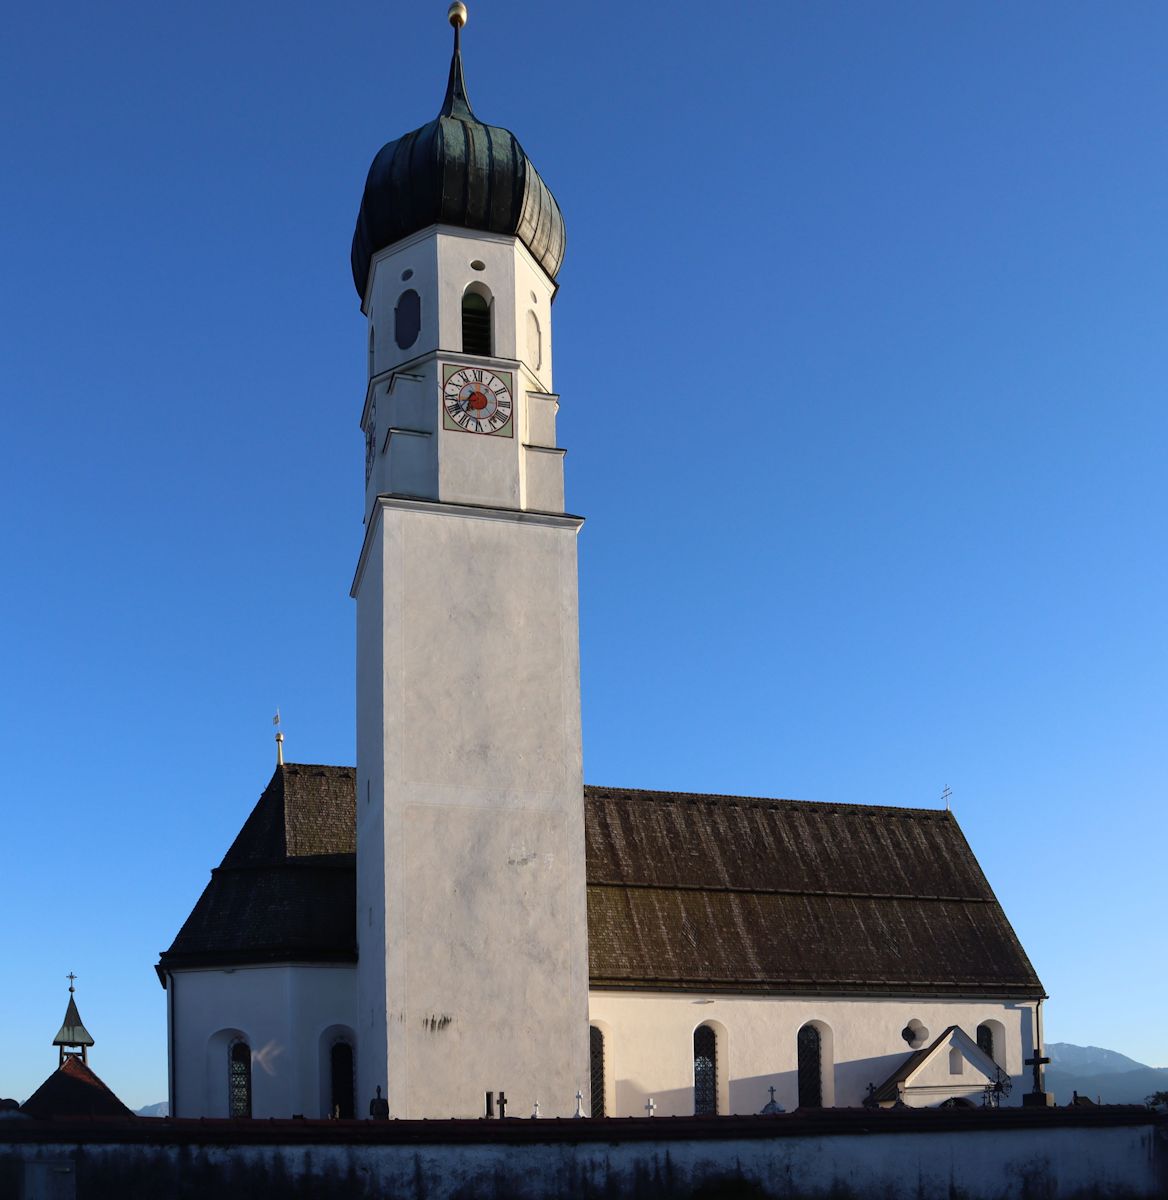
(73, 1090)
(72, 1032)
(685, 892)
(740, 893)
(285, 890)
(904, 1075)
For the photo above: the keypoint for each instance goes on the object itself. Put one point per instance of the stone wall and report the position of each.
(1116, 1153)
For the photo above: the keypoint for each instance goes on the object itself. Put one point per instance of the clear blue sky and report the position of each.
(861, 350)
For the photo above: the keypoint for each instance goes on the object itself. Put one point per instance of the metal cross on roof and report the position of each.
(71, 978)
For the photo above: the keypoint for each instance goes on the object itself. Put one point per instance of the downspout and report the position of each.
(170, 1040)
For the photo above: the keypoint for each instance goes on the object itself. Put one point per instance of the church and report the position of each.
(458, 926)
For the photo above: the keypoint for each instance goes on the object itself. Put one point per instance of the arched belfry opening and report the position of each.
(476, 323)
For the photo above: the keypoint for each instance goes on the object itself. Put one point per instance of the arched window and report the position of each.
(476, 324)
(985, 1041)
(341, 1074)
(705, 1072)
(810, 1047)
(372, 349)
(596, 1058)
(407, 319)
(239, 1080)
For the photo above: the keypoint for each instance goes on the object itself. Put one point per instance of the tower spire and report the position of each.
(456, 103)
(73, 1035)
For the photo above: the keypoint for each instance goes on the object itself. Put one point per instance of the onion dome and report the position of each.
(456, 171)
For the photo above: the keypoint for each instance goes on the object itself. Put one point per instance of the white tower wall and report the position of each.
(471, 914)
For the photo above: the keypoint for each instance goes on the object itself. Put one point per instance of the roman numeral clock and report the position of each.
(477, 400)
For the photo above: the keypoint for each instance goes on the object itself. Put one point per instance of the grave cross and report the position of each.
(1037, 1063)
(502, 1105)
(651, 1107)
(579, 1104)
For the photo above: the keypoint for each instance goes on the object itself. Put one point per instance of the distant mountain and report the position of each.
(161, 1109)
(1090, 1060)
(1104, 1076)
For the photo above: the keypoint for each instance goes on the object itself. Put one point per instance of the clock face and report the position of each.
(477, 400)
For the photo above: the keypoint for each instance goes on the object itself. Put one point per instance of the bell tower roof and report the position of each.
(456, 170)
(73, 1034)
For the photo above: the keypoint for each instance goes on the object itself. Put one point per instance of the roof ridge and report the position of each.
(854, 807)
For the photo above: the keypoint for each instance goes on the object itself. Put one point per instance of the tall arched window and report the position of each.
(985, 1041)
(705, 1072)
(810, 1047)
(239, 1080)
(476, 324)
(341, 1074)
(596, 1057)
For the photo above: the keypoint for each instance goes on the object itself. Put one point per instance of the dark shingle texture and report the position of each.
(744, 894)
(285, 890)
(73, 1090)
(686, 892)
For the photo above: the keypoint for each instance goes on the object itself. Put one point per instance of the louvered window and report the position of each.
(476, 324)
(596, 1055)
(341, 1071)
(705, 1072)
(239, 1080)
(810, 1048)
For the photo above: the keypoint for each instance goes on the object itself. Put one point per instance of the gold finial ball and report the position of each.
(456, 14)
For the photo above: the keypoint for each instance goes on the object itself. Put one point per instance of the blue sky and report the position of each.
(860, 342)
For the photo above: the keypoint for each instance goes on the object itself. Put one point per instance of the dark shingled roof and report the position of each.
(73, 1090)
(738, 893)
(685, 892)
(286, 889)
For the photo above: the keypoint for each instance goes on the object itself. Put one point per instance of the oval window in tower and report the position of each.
(407, 319)
(534, 341)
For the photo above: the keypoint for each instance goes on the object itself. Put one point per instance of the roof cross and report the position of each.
(71, 978)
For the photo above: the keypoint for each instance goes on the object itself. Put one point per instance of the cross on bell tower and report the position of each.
(73, 1038)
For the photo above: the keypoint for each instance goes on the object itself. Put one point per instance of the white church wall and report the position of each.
(467, 624)
(279, 1011)
(412, 453)
(649, 1045)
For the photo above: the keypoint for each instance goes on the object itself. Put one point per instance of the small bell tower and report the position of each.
(73, 1038)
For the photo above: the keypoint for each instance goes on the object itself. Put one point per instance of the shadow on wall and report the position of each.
(748, 1095)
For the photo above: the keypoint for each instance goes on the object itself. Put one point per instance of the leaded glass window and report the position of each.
(985, 1040)
(810, 1047)
(596, 1054)
(341, 1070)
(705, 1072)
(239, 1080)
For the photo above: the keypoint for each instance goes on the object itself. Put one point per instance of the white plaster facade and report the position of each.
(472, 933)
(648, 1045)
(288, 1016)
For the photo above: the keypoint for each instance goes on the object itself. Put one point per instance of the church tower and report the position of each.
(471, 917)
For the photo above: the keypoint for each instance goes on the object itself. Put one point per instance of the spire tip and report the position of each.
(456, 14)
